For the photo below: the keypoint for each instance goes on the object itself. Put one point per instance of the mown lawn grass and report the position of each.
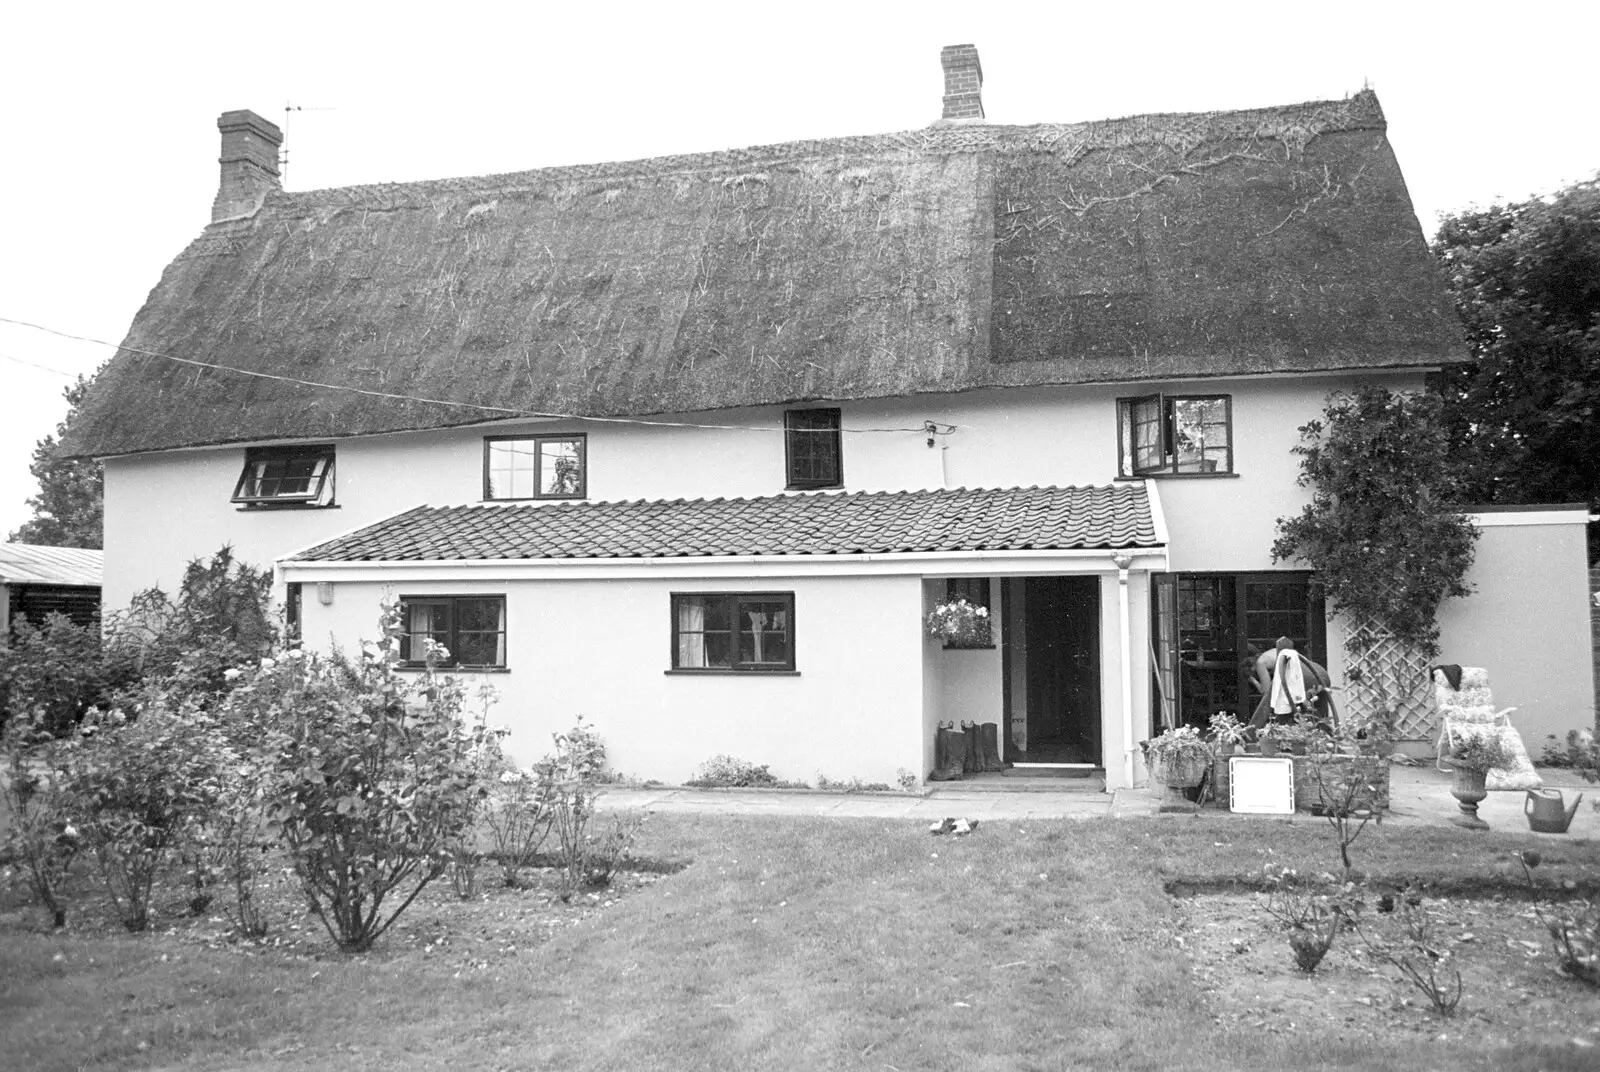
(787, 943)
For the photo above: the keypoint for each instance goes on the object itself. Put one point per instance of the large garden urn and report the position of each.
(1469, 791)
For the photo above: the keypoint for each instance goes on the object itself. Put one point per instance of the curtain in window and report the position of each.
(500, 641)
(1164, 647)
(419, 627)
(758, 622)
(691, 633)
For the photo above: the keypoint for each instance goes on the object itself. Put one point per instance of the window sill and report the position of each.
(1179, 476)
(538, 498)
(272, 506)
(713, 672)
(814, 487)
(408, 668)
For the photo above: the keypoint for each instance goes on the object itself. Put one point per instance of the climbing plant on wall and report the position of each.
(1380, 529)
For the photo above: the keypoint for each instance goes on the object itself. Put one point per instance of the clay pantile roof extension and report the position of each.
(1013, 519)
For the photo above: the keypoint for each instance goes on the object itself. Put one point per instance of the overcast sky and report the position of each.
(109, 144)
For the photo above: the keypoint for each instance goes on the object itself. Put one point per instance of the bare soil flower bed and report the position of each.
(494, 925)
(1241, 961)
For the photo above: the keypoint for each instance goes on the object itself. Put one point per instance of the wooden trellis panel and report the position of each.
(1393, 671)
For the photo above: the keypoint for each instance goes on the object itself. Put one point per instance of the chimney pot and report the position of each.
(249, 164)
(963, 82)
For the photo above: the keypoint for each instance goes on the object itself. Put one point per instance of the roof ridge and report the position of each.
(821, 493)
(1359, 110)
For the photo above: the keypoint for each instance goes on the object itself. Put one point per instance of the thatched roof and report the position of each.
(1108, 517)
(962, 256)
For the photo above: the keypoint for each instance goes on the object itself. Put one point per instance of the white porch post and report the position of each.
(1125, 638)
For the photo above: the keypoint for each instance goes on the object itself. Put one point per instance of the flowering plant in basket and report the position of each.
(960, 624)
(1179, 757)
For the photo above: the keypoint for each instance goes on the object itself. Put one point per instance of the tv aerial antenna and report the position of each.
(289, 108)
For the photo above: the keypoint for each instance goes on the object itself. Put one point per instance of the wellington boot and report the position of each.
(989, 738)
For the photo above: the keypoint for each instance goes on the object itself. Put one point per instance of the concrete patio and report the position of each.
(1419, 796)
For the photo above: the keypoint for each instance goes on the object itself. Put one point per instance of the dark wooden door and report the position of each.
(1062, 623)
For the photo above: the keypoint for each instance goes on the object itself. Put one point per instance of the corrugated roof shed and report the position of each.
(1039, 519)
(27, 563)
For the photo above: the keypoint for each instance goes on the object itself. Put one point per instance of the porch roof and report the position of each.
(1113, 517)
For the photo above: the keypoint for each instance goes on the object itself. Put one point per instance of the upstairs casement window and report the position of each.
(812, 449)
(1175, 435)
(286, 476)
(535, 467)
(471, 629)
(733, 631)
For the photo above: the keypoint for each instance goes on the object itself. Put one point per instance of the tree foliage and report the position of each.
(1380, 529)
(1524, 414)
(68, 511)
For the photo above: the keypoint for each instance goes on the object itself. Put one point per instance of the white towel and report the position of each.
(1288, 683)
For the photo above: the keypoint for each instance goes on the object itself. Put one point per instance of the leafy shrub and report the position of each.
(1419, 958)
(728, 772)
(519, 816)
(140, 787)
(374, 780)
(569, 778)
(1311, 917)
(853, 785)
(220, 620)
(1580, 753)
(1574, 928)
(51, 674)
(39, 833)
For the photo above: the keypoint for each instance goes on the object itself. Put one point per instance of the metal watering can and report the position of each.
(1543, 807)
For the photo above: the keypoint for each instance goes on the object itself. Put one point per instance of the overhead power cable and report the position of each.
(504, 411)
(35, 364)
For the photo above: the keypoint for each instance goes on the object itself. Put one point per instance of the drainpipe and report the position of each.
(1123, 561)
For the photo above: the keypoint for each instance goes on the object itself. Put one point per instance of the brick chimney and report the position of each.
(963, 82)
(249, 164)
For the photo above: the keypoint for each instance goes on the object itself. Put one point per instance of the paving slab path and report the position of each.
(1419, 796)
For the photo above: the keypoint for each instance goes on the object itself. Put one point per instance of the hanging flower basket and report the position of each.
(960, 624)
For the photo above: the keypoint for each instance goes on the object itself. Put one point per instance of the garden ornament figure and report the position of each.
(1291, 684)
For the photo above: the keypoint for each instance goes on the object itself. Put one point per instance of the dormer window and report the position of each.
(812, 448)
(286, 476)
(1171, 435)
(535, 467)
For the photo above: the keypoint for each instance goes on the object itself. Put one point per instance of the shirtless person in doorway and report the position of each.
(1318, 688)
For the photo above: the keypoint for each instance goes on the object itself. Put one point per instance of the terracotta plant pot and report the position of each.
(1269, 748)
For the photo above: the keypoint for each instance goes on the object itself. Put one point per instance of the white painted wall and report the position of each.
(1527, 621)
(603, 649)
(163, 510)
(868, 704)
(968, 680)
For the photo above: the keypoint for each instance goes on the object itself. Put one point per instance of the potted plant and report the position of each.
(1227, 732)
(1471, 756)
(1271, 737)
(960, 624)
(1179, 757)
(1376, 729)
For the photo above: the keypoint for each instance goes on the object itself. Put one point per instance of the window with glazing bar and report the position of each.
(733, 631)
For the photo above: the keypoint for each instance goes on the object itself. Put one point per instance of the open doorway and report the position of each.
(1053, 671)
